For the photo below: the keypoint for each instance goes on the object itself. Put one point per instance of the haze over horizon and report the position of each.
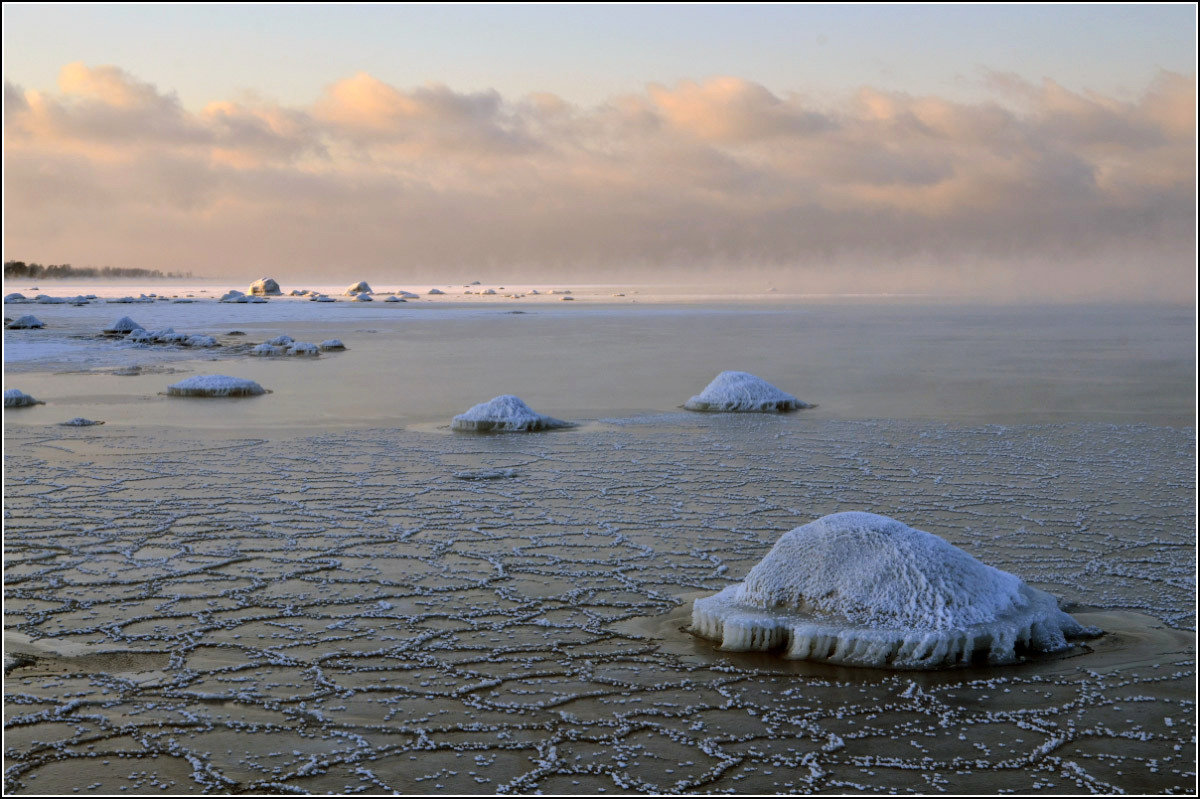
(998, 185)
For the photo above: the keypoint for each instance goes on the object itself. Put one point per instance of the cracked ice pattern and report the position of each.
(345, 613)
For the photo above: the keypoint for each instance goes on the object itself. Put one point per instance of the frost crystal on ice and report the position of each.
(865, 590)
(504, 414)
(742, 392)
(215, 386)
(15, 398)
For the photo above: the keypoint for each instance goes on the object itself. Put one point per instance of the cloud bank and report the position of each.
(1038, 191)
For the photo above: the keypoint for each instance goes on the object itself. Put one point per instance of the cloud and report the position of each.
(431, 181)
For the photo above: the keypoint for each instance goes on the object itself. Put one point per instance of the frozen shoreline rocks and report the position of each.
(740, 392)
(215, 386)
(26, 322)
(860, 589)
(504, 414)
(360, 287)
(265, 286)
(15, 398)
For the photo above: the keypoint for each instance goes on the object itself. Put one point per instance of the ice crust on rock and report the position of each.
(215, 386)
(504, 414)
(742, 392)
(26, 322)
(861, 589)
(15, 398)
(265, 286)
(332, 344)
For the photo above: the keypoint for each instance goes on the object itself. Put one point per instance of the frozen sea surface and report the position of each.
(316, 614)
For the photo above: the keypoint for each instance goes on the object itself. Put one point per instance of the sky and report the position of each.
(986, 150)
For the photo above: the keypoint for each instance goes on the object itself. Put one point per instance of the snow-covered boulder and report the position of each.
(332, 344)
(122, 327)
(16, 296)
(215, 386)
(361, 298)
(488, 291)
(279, 341)
(504, 414)
(199, 341)
(321, 298)
(265, 286)
(742, 392)
(267, 350)
(360, 287)
(392, 298)
(26, 322)
(408, 295)
(435, 291)
(865, 590)
(15, 398)
(233, 295)
(46, 299)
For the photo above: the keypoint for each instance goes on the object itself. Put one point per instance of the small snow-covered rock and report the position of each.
(265, 286)
(233, 295)
(361, 298)
(215, 386)
(16, 296)
(740, 392)
(199, 341)
(303, 348)
(435, 291)
(361, 287)
(392, 298)
(122, 326)
(267, 350)
(79, 421)
(279, 341)
(321, 298)
(504, 414)
(15, 398)
(26, 322)
(332, 344)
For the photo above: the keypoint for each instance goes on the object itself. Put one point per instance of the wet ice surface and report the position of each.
(317, 614)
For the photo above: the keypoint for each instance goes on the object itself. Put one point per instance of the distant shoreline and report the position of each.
(19, 270)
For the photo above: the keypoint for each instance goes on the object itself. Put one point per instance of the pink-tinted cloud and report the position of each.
(724, 172)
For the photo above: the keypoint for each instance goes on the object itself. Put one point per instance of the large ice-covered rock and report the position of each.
(16, 296)
(360, 287)
(504, 414)
(15, 398)
(215, 386)
(866, 590)
(742, 392)
(122, 326)
(26, 322)
(265, 286)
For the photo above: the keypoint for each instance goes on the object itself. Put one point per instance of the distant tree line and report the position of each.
(15, 269)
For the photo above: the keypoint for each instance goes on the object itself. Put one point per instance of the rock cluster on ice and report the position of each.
(26, 322)
(15, 398)
(168, 336)
(265, 286)
(865, 590)
(361, 287)
(742, 392)
(504, 414)
(215, 386)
